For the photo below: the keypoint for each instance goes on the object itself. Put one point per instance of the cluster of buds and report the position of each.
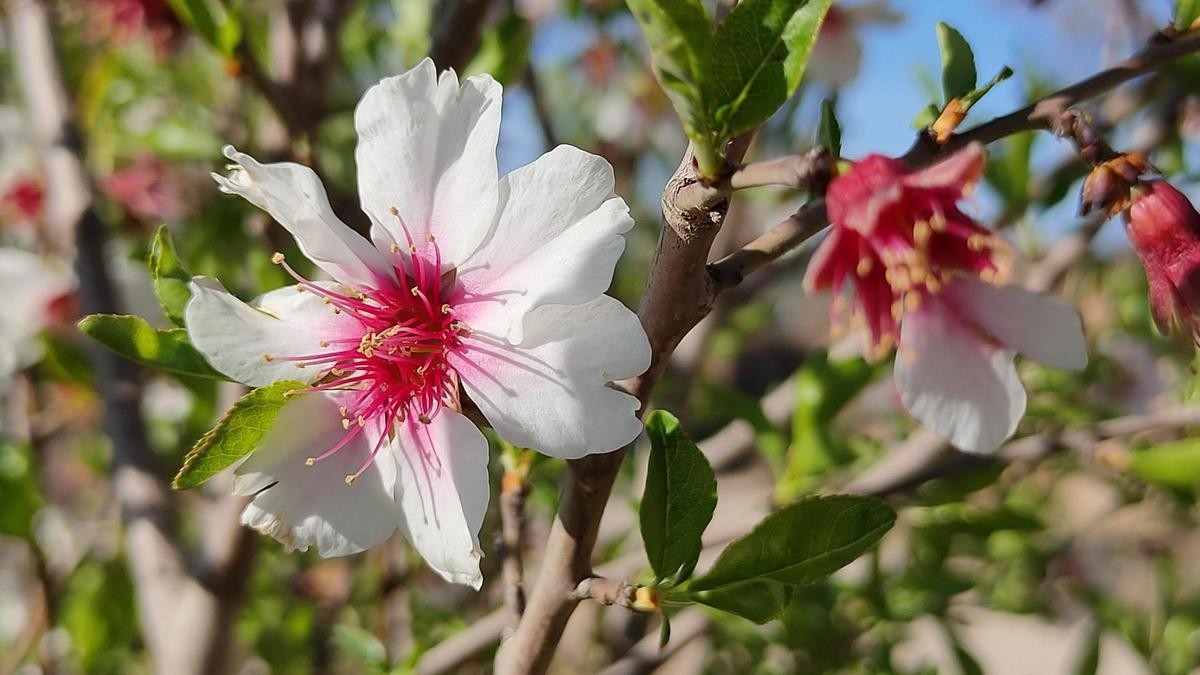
(1164, 229)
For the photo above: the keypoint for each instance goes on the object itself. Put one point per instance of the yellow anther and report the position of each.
(922, 232)
(324, 343)
(277, 258)
(349, 479)
(343, 411)
(345, 423)
(395, 211)
(864, 266)
(912, 301)
(310, 461)
(268, 358)
(300, 366)
(977, 242)
(423, 418)
(362, 422)
(445, 309)
(430, 238)
(897, 309)
(394, 248)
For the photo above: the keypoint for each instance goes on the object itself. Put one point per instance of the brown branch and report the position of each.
(514, 488)
(810, 172)
(1051, 112)
(456, 32)
(647, 655)
(898, 478)
(1046, 112)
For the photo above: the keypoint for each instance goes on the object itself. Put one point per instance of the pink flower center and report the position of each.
(396, 369)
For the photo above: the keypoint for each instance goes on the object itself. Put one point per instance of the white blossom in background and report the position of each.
(30, 285)
(472, 283)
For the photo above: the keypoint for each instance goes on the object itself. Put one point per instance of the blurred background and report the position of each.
(1074, 550)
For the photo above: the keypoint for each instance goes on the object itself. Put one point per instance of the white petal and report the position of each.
(557, 239)
(1038, 326)
(236, 337)
(294, 197)
(442, 490)
(29, 284)
(302, 505)
(955, 382)
(550, 392)
(427, 148)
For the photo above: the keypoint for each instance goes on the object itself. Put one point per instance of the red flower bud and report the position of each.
(1164, 229)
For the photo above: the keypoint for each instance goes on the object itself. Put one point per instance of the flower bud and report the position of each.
(1164, 229)
(1108, 187)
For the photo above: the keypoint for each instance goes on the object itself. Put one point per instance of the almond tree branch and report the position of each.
(510, 540)
(810, 172)
(1050, 113)
(456, 32)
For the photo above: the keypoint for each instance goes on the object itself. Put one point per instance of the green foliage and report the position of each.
(757, 60)
(1187, 12)
(1175, 465)
(679, 500)
(829, 131)
(730, 80)
(98, 613)
(217, 23)
(18, 484)
(802, 543)
(362, 645)
(171, 280)
(236, 434)
(135, 339)
(504, 50)
(958, 63)
(759, 600)
(1008, 170)
(822, 390)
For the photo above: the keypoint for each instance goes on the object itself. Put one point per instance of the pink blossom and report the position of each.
(26, 198)
(1164, 229)
(472, 285)
(145, 189)
(920, 271)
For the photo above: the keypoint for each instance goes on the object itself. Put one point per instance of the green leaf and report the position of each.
(758, 58)
(958, 63)
(220, 28)
(1175, 464)
(18, 484)
(238, 432)
(1186, 13)
(680, 35)
(170, 278)
(360, 643)
(504, 50)
(829, 132)
(680, 497)
(759, 600)
(926, 117)
(803, 542)
(822, 390)
(135, 339)
(972, 97)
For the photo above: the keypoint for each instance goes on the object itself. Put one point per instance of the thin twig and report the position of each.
(1046, 113)
(514, 488)
(810, 172)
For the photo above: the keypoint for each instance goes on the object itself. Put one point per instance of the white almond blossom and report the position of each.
(472, 283)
